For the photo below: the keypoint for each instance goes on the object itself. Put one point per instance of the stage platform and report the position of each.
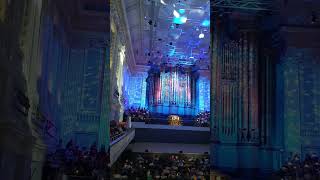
(142, 125)
(158, 118)
(170, 134)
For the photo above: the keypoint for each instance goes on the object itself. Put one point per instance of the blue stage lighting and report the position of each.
(206, 23)
(172, 51)
(182, 11)
(180, 20)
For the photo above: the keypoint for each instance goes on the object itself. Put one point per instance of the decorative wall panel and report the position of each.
(301, 90)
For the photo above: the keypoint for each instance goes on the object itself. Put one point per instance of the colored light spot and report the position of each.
(205, 23)
(176, 14)
(180, 20)
(182, 11)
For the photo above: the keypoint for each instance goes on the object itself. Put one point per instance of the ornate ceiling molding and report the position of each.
(119, 18)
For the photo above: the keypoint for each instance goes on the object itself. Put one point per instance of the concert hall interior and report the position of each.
(159, 89)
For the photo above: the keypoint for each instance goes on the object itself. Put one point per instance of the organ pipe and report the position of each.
(236, 72)
(245, 81)
(250, 92)
(172, 87)
(240, 77)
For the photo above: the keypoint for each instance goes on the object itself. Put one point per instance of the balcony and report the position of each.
(119, 144)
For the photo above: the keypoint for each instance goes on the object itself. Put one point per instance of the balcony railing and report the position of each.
(120, 143)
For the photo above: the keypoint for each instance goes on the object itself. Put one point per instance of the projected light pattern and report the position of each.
(136, 90)
(144, 91)
(180, 20)
(182, 11)
(184, 30)
(125, 87)
(203, 87)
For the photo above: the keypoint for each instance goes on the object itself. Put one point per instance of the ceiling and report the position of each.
(172, 32)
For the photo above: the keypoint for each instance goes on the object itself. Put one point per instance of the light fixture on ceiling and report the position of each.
(201, 36)
(162, 2)
(183, 19)
(176, 14)
(182, 11)
(180, 20)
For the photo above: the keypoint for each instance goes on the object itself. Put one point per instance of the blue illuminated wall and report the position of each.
(203, 94)
(125, 87)
(135, 90)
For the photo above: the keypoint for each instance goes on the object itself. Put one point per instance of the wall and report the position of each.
(184, 136)
(136, 90)
(74, 95)
(55, 52)
(203, 94)
(84, 87)
(299, 88)
(43, 79)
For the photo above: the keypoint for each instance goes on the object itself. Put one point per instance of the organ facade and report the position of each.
(242, 95)
(172, 90)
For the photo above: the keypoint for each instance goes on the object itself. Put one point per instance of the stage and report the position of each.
(170, 134)
(142, 125)
(158, 118)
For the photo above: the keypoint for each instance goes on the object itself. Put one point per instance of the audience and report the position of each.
(138, 114)
(308, 169)
(75, 163)
(202, 119)
(117, 129)
(161, 166)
